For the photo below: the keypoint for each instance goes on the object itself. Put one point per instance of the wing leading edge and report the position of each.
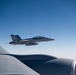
(10, 65)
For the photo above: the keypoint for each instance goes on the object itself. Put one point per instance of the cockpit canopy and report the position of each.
(38, 37)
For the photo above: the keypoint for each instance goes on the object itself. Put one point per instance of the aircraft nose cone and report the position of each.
(51, 39)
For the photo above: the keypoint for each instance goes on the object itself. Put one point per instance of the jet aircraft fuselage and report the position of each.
(29, 41)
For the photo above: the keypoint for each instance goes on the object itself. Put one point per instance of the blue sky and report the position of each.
(49, 18)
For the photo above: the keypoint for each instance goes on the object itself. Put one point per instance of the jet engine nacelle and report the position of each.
(48, 65)
(59, 67)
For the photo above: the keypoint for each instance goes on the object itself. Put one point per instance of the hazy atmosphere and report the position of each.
(50, 18)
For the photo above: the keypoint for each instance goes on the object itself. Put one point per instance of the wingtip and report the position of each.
(3, 51)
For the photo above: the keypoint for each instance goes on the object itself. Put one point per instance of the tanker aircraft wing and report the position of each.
(9, 65)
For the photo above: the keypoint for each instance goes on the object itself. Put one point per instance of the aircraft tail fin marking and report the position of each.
(15, 37)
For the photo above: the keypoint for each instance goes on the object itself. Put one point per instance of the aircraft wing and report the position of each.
(28, 42)
(9, 65)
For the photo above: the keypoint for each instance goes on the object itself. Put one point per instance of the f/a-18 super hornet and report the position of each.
(29, 41)
(37, 64)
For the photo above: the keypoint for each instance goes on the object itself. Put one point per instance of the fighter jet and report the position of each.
(37, 64)
(29, 41)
